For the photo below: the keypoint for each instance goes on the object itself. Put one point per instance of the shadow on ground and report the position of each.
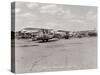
(47, 41)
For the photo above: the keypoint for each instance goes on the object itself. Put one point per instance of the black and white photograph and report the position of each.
(53, 37)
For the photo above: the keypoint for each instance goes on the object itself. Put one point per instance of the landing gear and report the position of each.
(67, 37)
(44, 40)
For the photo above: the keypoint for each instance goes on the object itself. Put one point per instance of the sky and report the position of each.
(55, 16)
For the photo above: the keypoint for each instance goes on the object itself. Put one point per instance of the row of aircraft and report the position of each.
(46, 34)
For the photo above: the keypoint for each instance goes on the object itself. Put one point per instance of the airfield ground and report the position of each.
(64, 54)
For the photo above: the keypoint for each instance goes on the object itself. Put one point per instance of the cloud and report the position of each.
(17, 10)
(26, 14)
(32, 5)
(51, 9)
(18, 4)
(68, 14)
(49, 6)
(91, 15)
(54, 16)
(78, 21)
